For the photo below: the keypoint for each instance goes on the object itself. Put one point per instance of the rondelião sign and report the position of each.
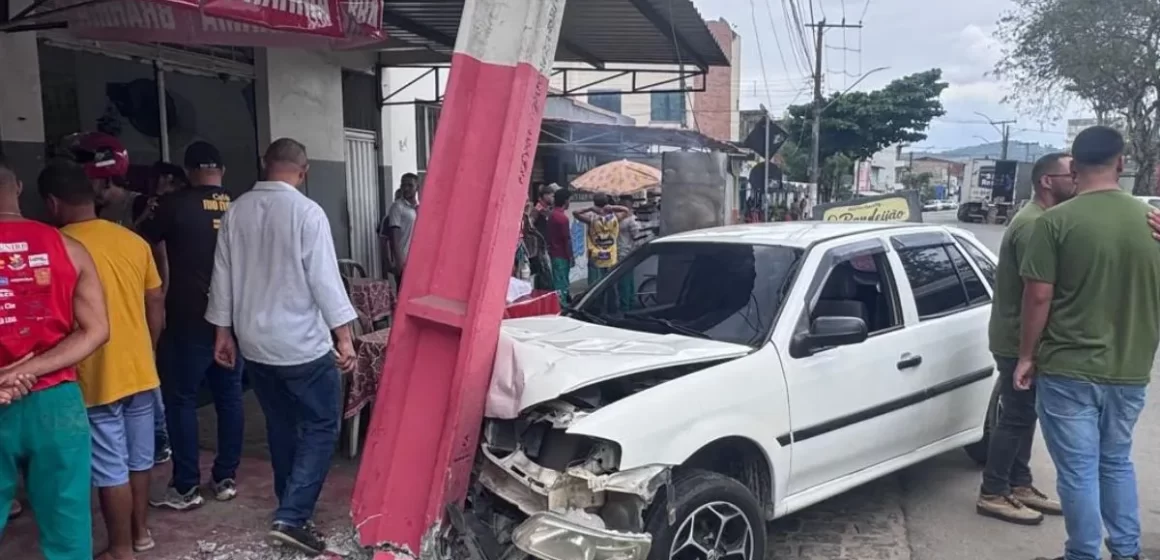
(901, 206)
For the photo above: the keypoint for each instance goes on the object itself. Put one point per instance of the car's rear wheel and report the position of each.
(714, 518)
(978, 451)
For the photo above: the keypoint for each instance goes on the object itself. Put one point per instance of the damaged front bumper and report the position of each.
(575, 514)
(552, 536)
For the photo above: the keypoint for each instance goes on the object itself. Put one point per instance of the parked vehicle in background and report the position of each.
(992, 190)
(932, 206)
(751, 371)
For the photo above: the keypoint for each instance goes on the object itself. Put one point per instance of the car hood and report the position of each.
(541, 358)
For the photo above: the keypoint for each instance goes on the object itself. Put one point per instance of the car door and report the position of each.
(845, 412)
(949, 306)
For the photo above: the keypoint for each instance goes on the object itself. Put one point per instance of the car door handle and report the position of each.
(910, 362)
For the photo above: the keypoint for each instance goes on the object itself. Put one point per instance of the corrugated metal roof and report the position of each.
(654, 135)
(594, 31)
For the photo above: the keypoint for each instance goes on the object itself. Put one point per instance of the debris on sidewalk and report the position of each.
(342, 545)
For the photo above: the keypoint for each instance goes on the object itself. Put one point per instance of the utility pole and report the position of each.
(1004, 128)
(764, 208)
(819, 49)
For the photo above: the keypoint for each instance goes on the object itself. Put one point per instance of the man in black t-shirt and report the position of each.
(186, 222)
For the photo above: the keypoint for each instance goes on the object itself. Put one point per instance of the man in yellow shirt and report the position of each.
(119, 379)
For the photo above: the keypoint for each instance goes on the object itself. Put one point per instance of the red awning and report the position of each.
(254, 23)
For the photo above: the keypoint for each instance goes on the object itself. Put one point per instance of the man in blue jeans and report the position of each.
(276, 286)
(1090, 327)
(185, 223)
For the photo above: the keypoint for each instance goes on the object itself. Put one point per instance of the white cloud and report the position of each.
(907, 36)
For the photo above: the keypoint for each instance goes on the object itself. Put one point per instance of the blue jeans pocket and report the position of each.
(1066, 398)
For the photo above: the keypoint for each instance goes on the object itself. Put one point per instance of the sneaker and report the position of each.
(1108, 544)
(305, 539)
(178, 501)
(225, 490)
(1007, 508)
(163, 453)
(1031, 497)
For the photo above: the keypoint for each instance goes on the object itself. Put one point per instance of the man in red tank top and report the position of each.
(52, 316)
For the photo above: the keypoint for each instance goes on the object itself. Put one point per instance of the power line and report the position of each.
(776, 40)
(760, 51)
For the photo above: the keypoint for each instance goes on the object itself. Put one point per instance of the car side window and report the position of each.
(976, 293)
(861, 286)
(983, 262)
(933, 280)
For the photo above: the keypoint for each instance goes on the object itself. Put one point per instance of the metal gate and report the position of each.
(363, 199)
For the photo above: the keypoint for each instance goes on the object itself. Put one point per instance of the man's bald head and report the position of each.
(286, 161)
(286, 151)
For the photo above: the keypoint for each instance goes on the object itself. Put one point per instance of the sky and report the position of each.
(905, 36)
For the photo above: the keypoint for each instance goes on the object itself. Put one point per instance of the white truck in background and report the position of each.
(993, 190)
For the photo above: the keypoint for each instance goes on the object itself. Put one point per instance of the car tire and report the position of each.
(701, 502)
(978, 451)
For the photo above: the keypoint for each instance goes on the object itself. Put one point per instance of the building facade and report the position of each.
(715, 112)
(879, 173)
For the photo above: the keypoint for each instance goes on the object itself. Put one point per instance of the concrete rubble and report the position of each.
(339, 545)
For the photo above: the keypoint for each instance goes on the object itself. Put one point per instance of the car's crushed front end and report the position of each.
(558, 495)
(577, 503)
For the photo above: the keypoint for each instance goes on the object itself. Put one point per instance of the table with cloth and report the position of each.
(373, 299)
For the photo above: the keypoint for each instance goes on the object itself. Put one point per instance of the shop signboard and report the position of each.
(901, 206)
(309, 24)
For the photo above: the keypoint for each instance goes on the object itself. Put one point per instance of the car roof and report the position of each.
(790, 234)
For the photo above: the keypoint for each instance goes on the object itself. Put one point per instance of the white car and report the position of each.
(1153, 201)
(750, 371)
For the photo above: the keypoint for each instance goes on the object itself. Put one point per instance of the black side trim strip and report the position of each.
(886, 408)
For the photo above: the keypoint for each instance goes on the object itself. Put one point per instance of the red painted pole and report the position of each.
(425, 429)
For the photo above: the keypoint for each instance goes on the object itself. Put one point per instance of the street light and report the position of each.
(1005, 131)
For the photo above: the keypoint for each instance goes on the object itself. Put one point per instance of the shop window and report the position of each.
(667, 107)
(426, 120)
(607, 99)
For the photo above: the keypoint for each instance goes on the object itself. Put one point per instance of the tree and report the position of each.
(857, 125)
(860, 124)
(795, 162)
(1105, 53)
(920, 182)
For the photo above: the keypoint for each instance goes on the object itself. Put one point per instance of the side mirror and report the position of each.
(827, 332)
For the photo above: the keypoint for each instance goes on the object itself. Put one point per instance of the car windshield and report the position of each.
(729, 292)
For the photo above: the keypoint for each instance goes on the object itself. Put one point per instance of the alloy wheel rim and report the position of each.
(714, 531)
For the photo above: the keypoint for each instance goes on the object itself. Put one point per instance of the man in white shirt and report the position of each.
(401, 222)
(277, 288)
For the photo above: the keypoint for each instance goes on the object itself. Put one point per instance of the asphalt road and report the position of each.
(927, 512)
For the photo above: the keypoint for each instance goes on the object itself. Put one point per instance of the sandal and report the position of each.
(145, 543)
(16, 510)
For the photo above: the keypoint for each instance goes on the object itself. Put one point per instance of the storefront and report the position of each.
(157, 98)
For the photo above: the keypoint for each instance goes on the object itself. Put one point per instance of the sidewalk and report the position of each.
(233, 530)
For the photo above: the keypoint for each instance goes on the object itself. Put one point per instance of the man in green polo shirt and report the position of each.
(1007, 492)
(1089, 330)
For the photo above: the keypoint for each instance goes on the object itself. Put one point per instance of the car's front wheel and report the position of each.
(978, 451)
(714, 518)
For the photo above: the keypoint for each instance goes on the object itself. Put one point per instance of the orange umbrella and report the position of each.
(619, 177)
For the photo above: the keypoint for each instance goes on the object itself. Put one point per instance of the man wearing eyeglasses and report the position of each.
(1007, 492)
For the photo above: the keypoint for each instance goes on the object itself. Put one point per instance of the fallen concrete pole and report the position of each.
(425, 428)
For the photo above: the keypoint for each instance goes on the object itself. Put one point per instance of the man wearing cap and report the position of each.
(106, 163)
(186, 223)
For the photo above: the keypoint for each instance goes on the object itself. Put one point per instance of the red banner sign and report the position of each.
(310, 24)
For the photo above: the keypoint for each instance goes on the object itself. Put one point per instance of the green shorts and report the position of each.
(46, 437)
